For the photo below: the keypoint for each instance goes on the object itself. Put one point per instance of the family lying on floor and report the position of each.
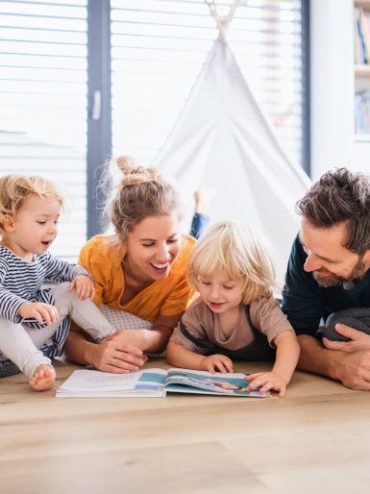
(209, 302)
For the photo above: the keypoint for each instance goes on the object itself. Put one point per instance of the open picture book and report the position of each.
(153, 383)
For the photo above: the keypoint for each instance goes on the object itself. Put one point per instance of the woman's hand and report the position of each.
(217, 363)
(115, 355)
(140, 338)
(267, 381)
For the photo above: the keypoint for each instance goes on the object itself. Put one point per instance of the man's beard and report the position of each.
(326, 279)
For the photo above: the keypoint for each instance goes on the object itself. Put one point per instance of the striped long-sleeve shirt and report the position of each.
(21, 281)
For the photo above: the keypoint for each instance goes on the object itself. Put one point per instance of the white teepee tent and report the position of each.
(222, 140)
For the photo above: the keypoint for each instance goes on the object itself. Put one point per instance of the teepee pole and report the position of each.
(223, 22)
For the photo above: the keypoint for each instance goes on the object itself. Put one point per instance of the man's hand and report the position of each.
(354, 370)
(358, 340)
(84, 287)
(42, 313)
(353, 364)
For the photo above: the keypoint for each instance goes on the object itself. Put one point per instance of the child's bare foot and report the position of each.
(43, 378)
(203, 199)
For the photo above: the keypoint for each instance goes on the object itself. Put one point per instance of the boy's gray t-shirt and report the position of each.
(202, 323)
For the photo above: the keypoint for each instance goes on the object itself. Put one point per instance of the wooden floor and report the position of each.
(316, 440)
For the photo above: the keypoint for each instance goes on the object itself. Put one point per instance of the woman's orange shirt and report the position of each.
(102, 257)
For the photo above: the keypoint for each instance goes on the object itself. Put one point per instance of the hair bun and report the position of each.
(126, 164)
(133, 173)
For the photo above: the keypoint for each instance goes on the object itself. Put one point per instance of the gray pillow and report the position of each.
(357, 318)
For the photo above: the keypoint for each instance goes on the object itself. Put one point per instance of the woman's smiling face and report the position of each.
(152, 246)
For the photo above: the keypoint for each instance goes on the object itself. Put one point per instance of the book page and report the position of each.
(184, 380)
(151, 379)
(92, 383)
(83, 380)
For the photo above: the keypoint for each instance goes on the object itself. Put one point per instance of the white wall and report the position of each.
(332, 86)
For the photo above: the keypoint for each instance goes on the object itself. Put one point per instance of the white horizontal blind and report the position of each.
(159, 47)
(43, 100)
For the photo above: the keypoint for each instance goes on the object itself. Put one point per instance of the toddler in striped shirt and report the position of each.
(34, 320)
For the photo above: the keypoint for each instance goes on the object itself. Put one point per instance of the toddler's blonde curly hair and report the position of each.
(15, 188)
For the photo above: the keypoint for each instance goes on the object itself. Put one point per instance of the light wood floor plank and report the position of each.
(317, 439)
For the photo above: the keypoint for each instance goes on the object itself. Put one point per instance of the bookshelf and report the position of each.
(362, 71)
(362, 4)
(361, 26)
(362, 138)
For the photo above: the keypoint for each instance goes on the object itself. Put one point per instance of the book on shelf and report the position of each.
(362, 112)
(361, 36)
(154, 383)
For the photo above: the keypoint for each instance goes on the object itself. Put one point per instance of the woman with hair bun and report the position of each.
(140, 269)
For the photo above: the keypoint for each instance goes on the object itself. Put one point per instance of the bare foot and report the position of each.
(43, 378)
(203, 199)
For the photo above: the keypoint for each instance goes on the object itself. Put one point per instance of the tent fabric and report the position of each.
(222, 140)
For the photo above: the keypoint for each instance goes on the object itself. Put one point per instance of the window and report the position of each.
(159, 47)
(43, 102)
(140, 61)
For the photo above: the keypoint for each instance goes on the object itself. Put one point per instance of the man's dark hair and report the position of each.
(340, 196)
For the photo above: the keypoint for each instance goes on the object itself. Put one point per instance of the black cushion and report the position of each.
(356, 318)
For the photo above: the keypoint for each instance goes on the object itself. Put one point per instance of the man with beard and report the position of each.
(328, 271)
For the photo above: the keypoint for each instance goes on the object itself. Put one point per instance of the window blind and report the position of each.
(43, 103)
(159, 47)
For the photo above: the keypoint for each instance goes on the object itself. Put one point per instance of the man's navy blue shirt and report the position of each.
(305, 302)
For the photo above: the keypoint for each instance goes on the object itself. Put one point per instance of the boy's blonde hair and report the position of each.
(15, 188)
(140, 192)
(234, 248)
